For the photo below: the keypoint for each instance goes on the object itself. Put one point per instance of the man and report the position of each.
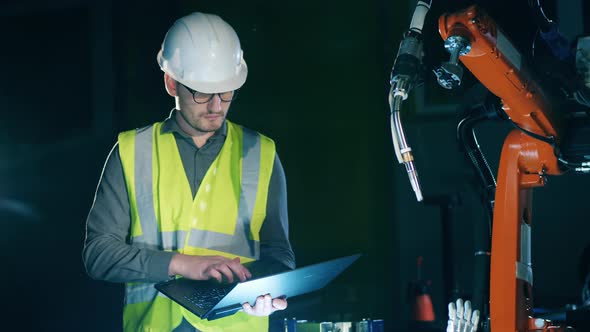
(193, 196)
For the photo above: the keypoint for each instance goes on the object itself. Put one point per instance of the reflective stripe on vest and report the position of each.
(144, 187)
(142, 292)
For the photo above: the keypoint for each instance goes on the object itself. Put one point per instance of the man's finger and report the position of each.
(279, 303)
(259, 303)
(247, 308)
(212, 273)
(227, 272)
(239, 270)
(267, 304)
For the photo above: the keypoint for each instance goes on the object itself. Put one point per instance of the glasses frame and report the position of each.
(194, 93)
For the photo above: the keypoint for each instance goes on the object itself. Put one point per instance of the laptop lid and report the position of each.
(289, 283)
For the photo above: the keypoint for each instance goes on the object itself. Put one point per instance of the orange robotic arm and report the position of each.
(524, 162)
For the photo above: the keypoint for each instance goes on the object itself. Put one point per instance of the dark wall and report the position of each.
(78, 72)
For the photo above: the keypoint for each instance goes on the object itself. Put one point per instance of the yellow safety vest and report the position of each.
(224, 218)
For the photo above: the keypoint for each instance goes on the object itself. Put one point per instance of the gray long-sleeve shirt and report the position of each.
(107, 253)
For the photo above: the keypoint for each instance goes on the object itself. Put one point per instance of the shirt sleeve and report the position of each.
(274, 233)
(107, 254)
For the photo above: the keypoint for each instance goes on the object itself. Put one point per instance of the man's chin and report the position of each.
(209, 127)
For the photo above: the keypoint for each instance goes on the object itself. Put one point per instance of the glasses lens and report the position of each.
(201, 97)
(227, 96)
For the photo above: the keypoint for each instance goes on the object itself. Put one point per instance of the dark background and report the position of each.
(77, 72)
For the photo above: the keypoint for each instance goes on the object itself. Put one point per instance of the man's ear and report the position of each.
(171, 85)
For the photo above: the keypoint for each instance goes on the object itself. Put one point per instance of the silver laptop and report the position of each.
(212, 300)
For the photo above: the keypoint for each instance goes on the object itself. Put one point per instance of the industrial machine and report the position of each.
(549, 111)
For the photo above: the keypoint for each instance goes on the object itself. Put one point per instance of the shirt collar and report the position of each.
(171, 126)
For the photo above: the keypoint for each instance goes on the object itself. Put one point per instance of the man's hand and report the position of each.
(208, 267)
(265, 305)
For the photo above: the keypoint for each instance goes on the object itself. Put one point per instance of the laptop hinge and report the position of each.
(226, 311)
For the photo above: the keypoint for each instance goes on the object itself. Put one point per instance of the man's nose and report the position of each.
(214, 104)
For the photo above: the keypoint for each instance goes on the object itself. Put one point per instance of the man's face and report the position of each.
(206, 117)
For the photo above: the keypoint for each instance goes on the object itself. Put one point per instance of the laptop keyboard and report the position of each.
(206, 298)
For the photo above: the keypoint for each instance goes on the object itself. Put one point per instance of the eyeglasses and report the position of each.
(203, 98)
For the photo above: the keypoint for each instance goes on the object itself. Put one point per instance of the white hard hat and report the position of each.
(203, 52)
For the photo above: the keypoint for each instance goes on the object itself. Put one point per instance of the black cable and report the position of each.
(482, 235)
(467, 138)
(539, 15)
(549, 140)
